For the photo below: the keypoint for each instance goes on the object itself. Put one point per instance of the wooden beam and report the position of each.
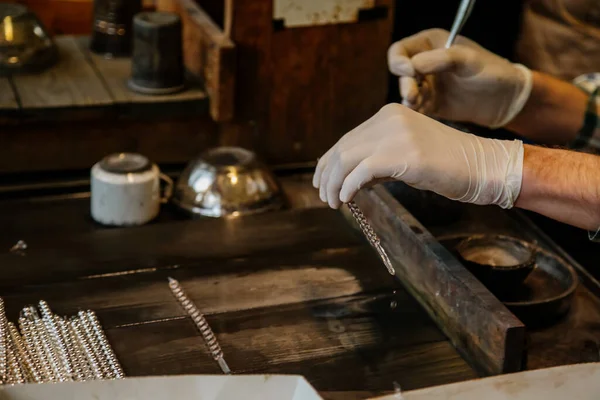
(477, 323)
(210, 55)
(79, 144)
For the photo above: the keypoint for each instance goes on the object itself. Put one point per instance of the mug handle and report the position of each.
(168, 192)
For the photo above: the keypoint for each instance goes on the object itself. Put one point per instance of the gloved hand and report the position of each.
(400, 144)
(465, 83)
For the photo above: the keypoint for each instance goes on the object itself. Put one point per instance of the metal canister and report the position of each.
(113, 20)
(157, 60)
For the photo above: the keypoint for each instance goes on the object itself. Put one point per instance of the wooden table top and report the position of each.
(84, 85)
(295, 292)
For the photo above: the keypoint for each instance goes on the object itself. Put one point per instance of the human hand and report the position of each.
(465, 83)
(400, 144)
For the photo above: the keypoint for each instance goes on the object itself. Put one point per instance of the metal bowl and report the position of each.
(227, 182)
(25, 44)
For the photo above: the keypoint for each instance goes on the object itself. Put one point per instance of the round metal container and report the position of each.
(157, 61)
(227, 182)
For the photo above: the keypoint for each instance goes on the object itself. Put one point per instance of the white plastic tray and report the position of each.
(199, 387)
(574, 382)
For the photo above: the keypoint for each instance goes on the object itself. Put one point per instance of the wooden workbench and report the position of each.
(295, 292)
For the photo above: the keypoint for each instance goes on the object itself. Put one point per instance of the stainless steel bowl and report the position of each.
(227, 182)
(25, 44)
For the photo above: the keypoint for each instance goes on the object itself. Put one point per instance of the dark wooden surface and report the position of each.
(476, 322)
(297, 291)
(71, 83)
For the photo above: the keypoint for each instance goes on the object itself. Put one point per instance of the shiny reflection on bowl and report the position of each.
(25, 45)
(227, 182)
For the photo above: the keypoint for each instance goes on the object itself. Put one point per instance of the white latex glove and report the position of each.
(464, 83)
(400, 144)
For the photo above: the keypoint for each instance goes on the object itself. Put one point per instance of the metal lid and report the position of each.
(125, 163)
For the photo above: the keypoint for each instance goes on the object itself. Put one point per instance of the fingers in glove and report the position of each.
(409, 89)
(427, 96)
(400, 66)
(340, 150)
(343, 164)
(437, 61)
(409, 47)
(324, 160)
(321, 163)
(366, 172)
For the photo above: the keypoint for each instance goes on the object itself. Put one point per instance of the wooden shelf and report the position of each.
(83, 85)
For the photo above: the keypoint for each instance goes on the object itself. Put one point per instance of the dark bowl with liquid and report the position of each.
(501, 263)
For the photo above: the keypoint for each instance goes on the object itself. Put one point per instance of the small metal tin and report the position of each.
(111, 33)
(157, 60)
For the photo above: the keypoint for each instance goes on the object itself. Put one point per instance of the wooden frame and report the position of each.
(478, 324)
(210, 55)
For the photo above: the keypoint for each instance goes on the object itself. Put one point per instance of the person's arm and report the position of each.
(563, 185)
(554, 112)
(400, 144)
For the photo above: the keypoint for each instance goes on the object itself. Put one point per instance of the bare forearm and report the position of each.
(562, 185)
(554, 112)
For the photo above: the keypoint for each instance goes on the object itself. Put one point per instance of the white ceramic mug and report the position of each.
(126, 190)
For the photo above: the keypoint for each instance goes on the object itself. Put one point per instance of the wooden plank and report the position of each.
(249, 24)
(474, 320)
(352, 343)
(71, 83)
(116, 72)
(141, 295)
(66, 257)
(304, 81)
(209, 54)
(8, 100)
(80, 144)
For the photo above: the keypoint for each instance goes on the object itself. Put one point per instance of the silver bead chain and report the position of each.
(201, 323)
(371, 236)
(50, 348)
